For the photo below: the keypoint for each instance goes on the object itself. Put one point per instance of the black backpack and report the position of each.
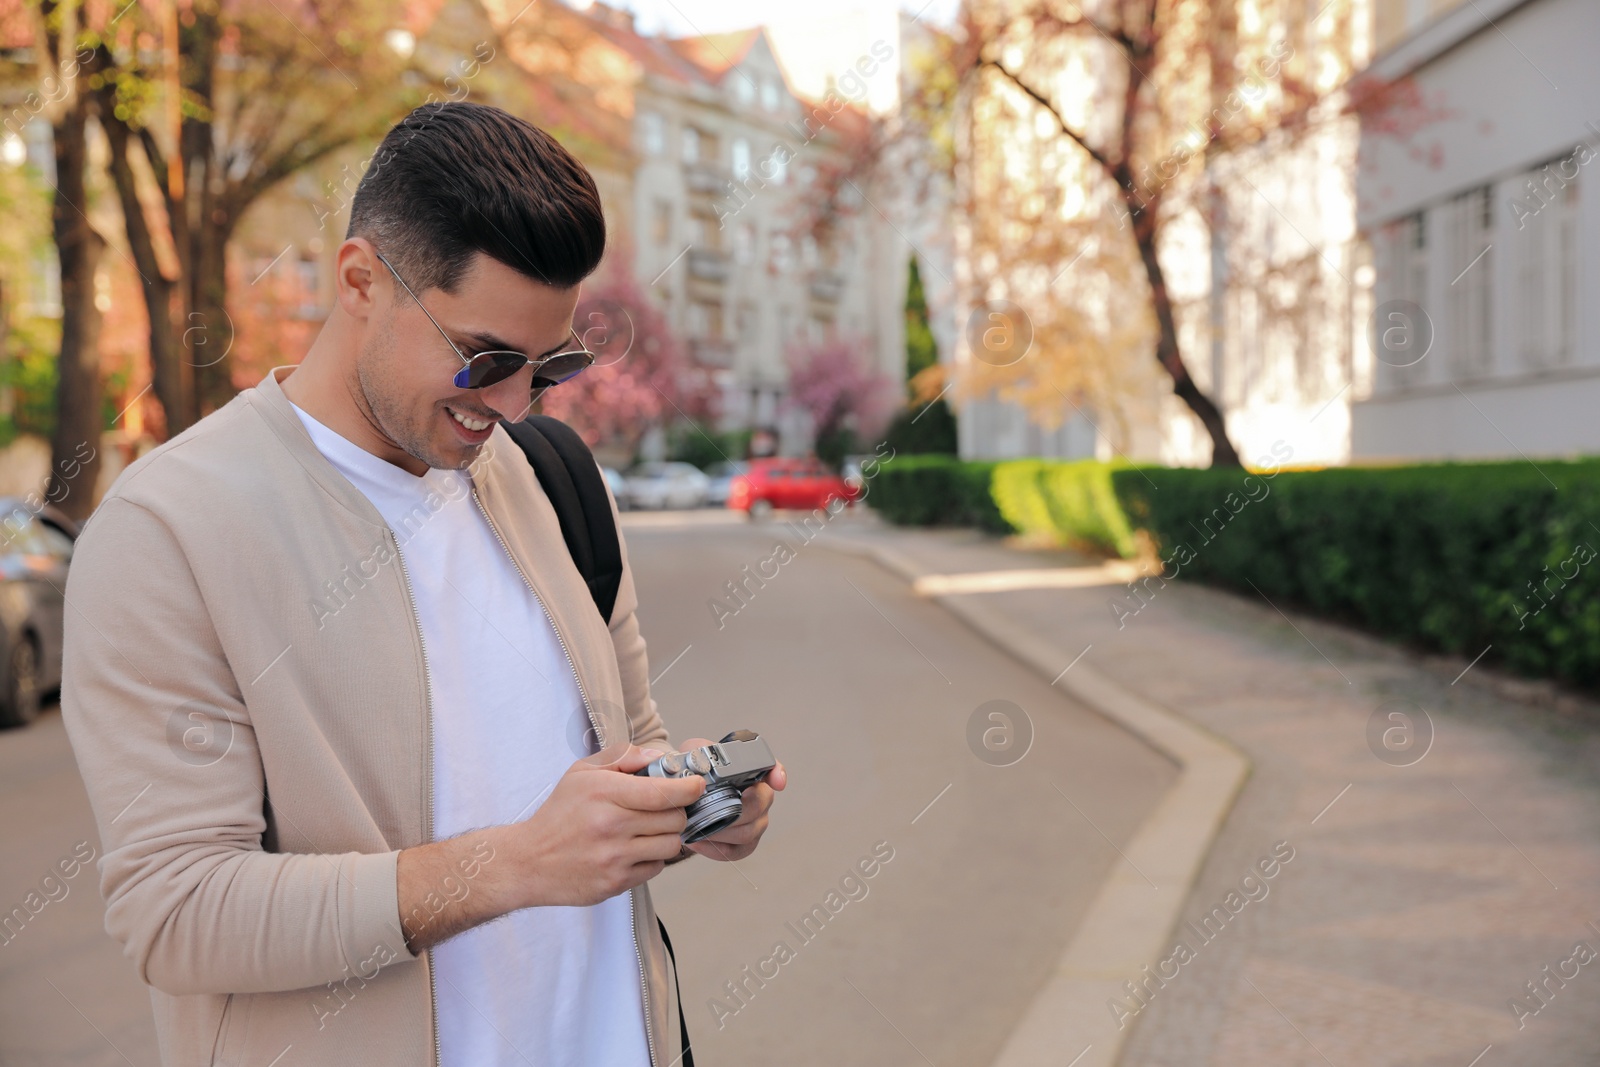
(577, 490)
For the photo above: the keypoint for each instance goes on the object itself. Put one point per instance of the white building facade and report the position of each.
(728, 160)
(1483, 224)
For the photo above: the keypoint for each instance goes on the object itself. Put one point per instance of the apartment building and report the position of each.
(1477, 191)
(710, 164)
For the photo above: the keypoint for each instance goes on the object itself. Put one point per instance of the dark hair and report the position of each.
(453, 178)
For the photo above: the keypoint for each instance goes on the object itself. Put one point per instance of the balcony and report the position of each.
(827, 287)
(711, 353)
(705, 180)
(708, 265)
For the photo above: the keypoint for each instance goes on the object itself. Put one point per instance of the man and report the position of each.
(336, 687)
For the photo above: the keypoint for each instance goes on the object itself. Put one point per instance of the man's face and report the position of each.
(406, 369)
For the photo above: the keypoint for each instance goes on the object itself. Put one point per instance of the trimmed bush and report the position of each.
(1451, 557)
(919, 430)
(1072, 502)
(936, 491)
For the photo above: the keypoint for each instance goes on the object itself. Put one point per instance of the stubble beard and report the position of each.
(392, 415)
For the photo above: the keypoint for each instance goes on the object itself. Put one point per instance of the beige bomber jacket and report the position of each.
(245, 692)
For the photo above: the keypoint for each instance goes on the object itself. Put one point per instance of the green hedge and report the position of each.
(1070, 502)
(936, 491)
(1452, 557)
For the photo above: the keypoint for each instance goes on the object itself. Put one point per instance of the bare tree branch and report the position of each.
(1094, 153)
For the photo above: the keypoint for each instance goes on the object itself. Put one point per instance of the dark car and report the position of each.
(35, 551)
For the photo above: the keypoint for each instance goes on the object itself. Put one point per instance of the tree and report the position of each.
(642, 376)
(847, 400)
(921, 350)
(1143, 91)
(241, 96)
(67, 55)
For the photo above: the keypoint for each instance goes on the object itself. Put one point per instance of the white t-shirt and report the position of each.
(544, 986)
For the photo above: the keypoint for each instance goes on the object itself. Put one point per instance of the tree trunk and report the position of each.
(1167, 352)
(210, 219)
(80, 394)
(210, 328)
(166, 356)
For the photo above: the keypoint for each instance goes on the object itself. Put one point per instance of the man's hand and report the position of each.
(603, 830)
(739, 840)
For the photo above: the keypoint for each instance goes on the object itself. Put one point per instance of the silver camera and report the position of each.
(729, 767)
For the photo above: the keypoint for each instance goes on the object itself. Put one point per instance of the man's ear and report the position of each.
(355, 276)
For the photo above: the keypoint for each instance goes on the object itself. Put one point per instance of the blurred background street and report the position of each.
(1112, 449)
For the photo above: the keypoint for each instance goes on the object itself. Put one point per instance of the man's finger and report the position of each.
(627, 760)
(657, 794)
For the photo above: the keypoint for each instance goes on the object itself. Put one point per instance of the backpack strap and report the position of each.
(687, 1059)
(567, 472)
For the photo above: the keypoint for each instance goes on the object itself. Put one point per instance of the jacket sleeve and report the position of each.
(644, 720)
(167, 752)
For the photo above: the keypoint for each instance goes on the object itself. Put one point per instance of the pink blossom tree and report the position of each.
(643, 376)
(847, 400)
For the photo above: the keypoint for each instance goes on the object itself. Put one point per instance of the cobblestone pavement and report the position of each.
(1420, 899)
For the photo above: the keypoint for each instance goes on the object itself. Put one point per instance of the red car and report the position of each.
(786, 483)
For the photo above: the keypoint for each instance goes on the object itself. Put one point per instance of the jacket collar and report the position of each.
(269, 399)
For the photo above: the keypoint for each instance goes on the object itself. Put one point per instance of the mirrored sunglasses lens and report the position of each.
(560, 368)
(488, 368)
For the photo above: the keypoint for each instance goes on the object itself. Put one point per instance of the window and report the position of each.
(778, 165)
(782, 246)
(691, 145)
(744, 90)
(741, 158)
(1546, 254)
(769, 95)
(744, 243)
(707, 233)
(810, 258)
(661, 221)
(705, 322)
(1467, 220)
(652, 132)
(21, 534)
(1406, 279)
(309, 280)
(56, 543)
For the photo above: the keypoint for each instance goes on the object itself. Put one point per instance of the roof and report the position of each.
(717, 53)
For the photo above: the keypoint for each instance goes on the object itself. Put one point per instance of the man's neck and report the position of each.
(318, 388)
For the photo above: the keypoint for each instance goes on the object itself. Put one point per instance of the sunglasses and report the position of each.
(487, 368)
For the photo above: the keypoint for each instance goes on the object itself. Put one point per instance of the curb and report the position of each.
(1128, 924)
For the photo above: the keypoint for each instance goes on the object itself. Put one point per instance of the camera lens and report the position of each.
(717, 808)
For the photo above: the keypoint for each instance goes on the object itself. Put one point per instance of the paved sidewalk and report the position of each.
(1420, 899)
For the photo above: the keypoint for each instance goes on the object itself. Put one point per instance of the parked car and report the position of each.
(786, 483)
(618, 485)
(35, 551)
(668, 485)
(722, 475)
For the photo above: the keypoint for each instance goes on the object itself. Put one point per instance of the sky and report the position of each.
(679, 18)
(816, 43)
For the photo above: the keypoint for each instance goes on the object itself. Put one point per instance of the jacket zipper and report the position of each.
(633, 922)
(427, 778)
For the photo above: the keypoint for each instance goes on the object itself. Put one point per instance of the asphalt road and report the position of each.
(867, 694)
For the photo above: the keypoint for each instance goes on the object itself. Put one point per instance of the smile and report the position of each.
(475, 425)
